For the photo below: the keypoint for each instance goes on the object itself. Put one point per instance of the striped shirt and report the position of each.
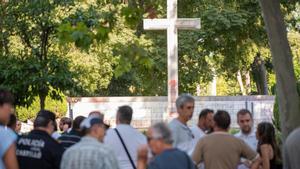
(69, 139)
(89, 153)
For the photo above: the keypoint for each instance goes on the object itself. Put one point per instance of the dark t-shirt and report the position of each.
(69, 139)
(172, 159)
(38, 150)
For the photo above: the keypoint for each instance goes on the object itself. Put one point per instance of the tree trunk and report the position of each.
(264, 79)
(198, 90)
(248, 82)
(42, 97)
(282, 60)
(213, 83)
(3, 43)
(240, 81)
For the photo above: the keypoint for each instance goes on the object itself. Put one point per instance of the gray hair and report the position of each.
(184, 98)
(162, 131)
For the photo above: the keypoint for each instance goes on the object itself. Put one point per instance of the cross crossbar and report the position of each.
(162, 24)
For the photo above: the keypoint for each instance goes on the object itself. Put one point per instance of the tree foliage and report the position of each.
(99, 48)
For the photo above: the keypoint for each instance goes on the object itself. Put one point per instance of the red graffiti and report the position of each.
(173, 83)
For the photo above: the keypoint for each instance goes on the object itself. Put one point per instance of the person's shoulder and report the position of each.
(53, 144)
(221, 136)
(294, 137)
(105, 150)
(173, 124)
(239, 134)
(7, 133)
(69, 137)
(141, 137)
(236, 138)
(194, 128)
(71, 150)
(8, 137)
(171, 152)
(110, 135)
(178, 151)
(110, 132)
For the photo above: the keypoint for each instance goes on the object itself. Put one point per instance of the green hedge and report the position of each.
(56, 106)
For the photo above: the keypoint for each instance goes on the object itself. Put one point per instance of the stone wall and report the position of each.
(148, 110)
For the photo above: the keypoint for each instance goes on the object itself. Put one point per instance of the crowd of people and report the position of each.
(89, 143)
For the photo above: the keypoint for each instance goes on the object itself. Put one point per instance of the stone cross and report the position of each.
(171, 24)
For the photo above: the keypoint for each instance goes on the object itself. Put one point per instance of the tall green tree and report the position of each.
(34, 64)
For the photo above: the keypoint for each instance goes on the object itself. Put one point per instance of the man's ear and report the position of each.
(51, 126)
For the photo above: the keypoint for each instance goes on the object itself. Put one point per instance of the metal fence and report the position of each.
(149, 110)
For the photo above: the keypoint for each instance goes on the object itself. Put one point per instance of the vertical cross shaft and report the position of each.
(172, 56)
(172, 24)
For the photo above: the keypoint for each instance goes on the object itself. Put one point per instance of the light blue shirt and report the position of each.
(7, 137)
(182, 136)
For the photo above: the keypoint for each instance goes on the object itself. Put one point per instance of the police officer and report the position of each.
(38, 150)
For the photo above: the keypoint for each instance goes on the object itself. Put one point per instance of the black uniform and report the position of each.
(38, 150)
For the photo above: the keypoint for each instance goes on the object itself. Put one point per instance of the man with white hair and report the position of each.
(182, 134)
(165, 156)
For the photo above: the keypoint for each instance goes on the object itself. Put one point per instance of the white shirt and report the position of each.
(55, 135)
(251, 141)
(197, 132)
(132, 139)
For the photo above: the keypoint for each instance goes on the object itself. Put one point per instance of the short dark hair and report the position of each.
(43, 118)
(125, 114)
(205, 112)
(77, 121)
(12, 121)
(6, 97)
(243, 112)
(66, 120)
(222, 119)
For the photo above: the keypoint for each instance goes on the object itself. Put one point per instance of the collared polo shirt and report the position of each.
(89, 153)
(182, 136)
(250, 139)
